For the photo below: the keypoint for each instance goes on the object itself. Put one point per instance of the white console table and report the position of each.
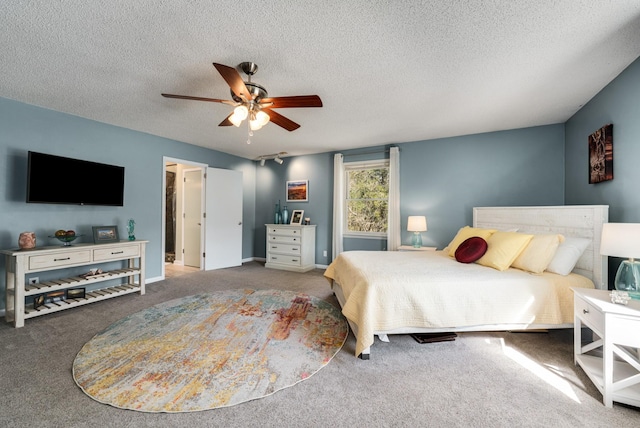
(616, 329)
(20, 263)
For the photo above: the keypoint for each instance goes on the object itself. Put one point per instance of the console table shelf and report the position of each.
(90, 297)
(20, 264)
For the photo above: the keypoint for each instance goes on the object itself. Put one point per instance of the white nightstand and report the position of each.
(412, 248)
(615, 329)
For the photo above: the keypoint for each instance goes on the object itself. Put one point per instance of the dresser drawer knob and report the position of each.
(585, 311)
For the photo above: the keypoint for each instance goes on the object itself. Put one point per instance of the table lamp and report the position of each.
(417, 224)
(623, 240)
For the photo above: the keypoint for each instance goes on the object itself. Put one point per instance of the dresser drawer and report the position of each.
(285, 259)
(284, 239)
(55, 260)
(589, 314)
(116, 253)
(284, 231)
(293, 250)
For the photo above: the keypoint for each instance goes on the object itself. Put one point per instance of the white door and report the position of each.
(223, 221)
(192, 222)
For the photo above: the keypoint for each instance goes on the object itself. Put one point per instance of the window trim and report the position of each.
(353, 166)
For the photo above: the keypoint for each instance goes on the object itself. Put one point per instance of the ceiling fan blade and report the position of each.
(226, 121)
(187, 97)
(294, 101)
(233, 79)
(280, 120)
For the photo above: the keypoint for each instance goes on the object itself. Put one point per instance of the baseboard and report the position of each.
(258, 259)
(154, 279)
(322, 266)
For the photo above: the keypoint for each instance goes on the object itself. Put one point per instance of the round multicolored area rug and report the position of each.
(211, 350)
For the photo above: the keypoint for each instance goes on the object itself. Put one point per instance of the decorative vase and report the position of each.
(27, 240)
(130, 229)
(276, 218)
(285, 215)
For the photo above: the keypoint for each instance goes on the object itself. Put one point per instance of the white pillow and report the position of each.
(567, 255)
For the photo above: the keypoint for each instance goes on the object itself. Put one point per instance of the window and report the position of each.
(366, 198)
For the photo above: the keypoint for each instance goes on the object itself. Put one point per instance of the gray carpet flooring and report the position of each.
(480, 379)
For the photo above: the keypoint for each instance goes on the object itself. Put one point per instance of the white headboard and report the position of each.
(584, 221)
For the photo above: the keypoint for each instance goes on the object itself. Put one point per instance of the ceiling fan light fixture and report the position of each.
(261, 161)
(262, 118)
(254, 125)
(278, 160)
(241, 112)
(234, 120)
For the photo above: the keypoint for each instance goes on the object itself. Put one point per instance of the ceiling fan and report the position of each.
(251, 100)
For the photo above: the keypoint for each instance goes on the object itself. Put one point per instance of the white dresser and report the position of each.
(291, 247)
(615, 370)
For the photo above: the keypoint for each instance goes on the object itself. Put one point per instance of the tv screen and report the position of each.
(60, 180)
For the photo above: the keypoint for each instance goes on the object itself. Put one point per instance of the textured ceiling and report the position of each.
(387, 71)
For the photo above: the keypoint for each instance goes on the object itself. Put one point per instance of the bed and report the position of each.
(390, 292)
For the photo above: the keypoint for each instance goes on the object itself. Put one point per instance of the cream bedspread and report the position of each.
(385, 290)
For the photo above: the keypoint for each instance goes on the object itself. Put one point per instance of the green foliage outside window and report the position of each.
(367, 200)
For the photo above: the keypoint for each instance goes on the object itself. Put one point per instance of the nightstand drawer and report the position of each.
(589, 314)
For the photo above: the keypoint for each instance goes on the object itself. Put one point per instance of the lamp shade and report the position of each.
(621, 240)
(417, 223)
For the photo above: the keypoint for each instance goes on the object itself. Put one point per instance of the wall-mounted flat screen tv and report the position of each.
(60, 180)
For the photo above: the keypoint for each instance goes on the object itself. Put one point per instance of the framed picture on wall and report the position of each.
(601, 155)
(298, 191)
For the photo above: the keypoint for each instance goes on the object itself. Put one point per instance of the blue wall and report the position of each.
(441, 179)
(24, 127)
(619, 104)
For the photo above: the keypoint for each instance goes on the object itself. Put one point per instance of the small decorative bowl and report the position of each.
(66, 240)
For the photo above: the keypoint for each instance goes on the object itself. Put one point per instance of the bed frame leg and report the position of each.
(365, 354)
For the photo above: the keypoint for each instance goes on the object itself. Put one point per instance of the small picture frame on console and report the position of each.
(75, 293)
(105, 234)
(38, 301)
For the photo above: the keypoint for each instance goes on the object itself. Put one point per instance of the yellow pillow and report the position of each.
(503, 249)
(539, 253)
(465, 233)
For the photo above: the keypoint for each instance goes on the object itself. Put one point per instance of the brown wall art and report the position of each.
(601, 155)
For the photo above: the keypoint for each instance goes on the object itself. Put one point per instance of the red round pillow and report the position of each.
(471, 250)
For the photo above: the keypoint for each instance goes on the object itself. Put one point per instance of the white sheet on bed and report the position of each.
(385, 290)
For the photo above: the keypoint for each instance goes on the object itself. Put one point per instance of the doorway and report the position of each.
(191, 216)
(182, 213)
(199, 240)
